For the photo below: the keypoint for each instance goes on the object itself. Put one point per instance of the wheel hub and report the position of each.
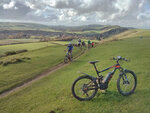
(85, 88)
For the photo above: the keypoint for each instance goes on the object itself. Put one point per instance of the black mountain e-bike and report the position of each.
(85, 87)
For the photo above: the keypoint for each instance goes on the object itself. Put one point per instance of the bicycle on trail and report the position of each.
(68, 57)
(85, 87)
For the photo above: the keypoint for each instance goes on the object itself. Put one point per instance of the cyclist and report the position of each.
(79, 42)
(92, 44)
(89, 44)
(83, 44)
(70, 48)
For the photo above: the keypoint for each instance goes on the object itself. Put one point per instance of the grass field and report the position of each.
(60, 42)
(28, 46)
(133, 33)
(53, 93)
(17, 41)
(98, 30)
(41, 59)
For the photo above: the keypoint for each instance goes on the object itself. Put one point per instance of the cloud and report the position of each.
(30, 5)
(87, 6)
(132, 13)
(83, 18)
(10, 5)
(104, 11)
(144, 16)
(19, 11)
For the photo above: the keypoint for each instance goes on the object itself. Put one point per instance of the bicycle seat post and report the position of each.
(96, 69)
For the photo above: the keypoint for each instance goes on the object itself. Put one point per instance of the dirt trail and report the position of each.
(38, 77)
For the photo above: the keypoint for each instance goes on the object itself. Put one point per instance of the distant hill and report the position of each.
(30, 30)
(21, 26)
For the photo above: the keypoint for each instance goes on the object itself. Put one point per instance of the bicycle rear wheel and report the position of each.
(84, 88)
(126, 84)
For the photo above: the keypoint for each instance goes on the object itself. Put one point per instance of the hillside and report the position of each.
(53, 93)
(26, 30)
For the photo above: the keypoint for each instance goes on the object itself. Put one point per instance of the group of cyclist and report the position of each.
(83, 44)
(80, 44)
(90, 44)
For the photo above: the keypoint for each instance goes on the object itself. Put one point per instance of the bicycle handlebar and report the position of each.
(120, 58)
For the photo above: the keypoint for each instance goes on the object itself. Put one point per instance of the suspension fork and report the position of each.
(123, 73)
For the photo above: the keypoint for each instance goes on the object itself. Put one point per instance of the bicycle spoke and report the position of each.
(87, 94)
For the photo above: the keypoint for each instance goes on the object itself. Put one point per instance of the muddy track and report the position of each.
(38, 77)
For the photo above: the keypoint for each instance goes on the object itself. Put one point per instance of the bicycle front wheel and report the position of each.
(126, 84)
(84, 88)
(66, 59)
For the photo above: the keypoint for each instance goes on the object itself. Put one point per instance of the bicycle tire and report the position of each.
(132, 74)
(70, 58)
(66, 59)
(88, 97)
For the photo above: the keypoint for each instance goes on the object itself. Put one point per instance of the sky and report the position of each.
(126, 13)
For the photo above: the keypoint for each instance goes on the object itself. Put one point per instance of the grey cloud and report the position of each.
(81, 7)
(13, 13)
(126, 12)
(47, 14)
(25, 12)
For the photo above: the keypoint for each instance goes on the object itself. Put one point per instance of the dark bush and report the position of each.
(14, 61)
(6, 63)
(21, 51)
(14, 52)
(26, 58)
(10, 53)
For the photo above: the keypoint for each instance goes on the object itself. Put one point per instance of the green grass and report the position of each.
(133, 33)
(98, 30)
(16, 41)
(28, 46)
(54, 92)
(41, 59)
(60, 42)
(142, 33)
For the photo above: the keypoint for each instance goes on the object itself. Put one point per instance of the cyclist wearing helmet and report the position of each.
(79, 42)
(70, 48)
(89, 44)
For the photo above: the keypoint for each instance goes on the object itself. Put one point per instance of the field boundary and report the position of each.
(45, 73)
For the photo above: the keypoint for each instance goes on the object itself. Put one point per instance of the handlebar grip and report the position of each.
(125, 59)
(113, 58)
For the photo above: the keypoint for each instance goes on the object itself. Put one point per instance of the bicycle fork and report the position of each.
(124, 77)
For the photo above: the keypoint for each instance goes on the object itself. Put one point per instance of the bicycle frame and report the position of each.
(104, 85)
(117, 66)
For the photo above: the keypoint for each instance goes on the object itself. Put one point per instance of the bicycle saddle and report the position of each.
(93, 62)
